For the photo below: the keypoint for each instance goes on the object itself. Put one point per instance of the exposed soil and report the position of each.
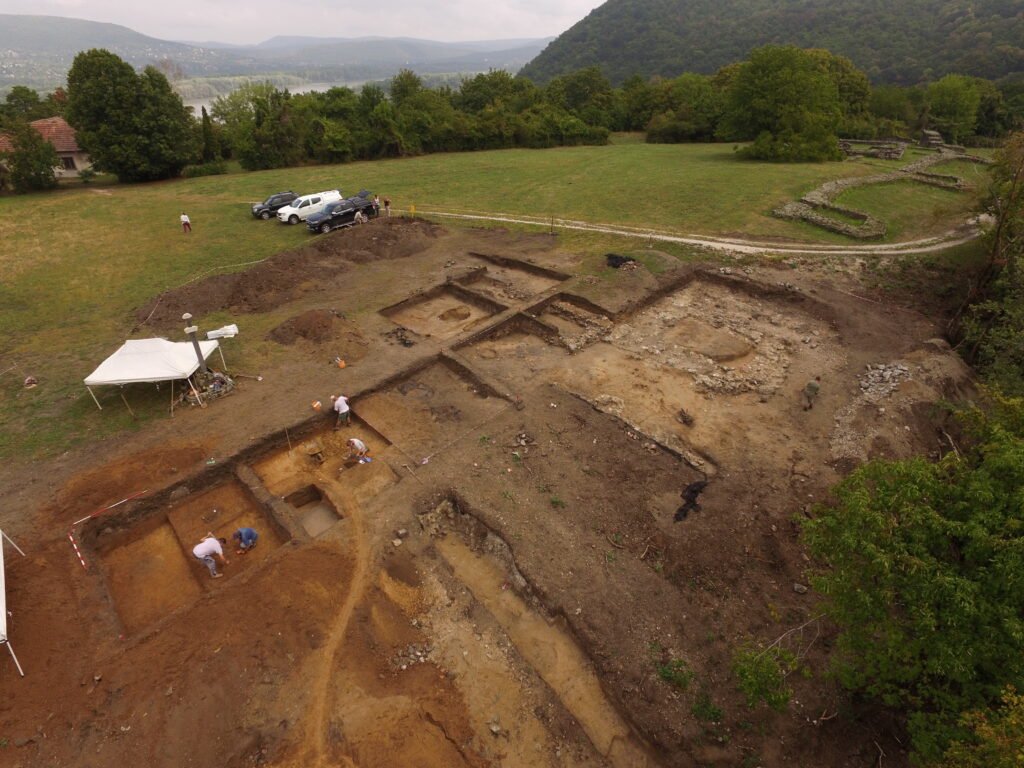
(503, 583)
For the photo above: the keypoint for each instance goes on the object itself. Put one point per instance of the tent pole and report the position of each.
(127, 406)
(196, 393)
(172, 397)
(15, 658)
(11, 542)
(222, 362)
(94, 398)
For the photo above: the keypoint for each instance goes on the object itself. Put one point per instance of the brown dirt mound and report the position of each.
(320, 326)
(291, 274)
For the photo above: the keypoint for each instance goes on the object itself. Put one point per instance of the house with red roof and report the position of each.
(57, 131)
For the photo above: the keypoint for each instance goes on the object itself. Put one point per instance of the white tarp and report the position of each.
(150, 360)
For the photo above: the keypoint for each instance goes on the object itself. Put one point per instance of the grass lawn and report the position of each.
(74, 263)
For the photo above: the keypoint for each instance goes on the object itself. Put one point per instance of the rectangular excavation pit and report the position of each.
(313, 510)
(506, 279)
(443, 312)
(149, 575)
(515, 351)
(150, 569)
(283, 472)
(423, 410)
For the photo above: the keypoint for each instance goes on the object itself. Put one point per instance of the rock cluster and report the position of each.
(417, 653)
(882, 380)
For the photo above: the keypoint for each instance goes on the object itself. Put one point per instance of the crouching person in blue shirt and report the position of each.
(246, 538)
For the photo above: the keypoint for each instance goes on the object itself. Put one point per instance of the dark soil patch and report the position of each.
(317, 326)
(290, 275)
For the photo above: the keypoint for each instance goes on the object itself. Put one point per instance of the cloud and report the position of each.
(252, 21)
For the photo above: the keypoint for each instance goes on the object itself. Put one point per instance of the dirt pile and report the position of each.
(290, 275)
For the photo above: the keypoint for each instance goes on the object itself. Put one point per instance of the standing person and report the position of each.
(186, 224)
(810, 392)
(211, 551)
(246, 538)
(387, 206)
(376, 205)
(341, 407)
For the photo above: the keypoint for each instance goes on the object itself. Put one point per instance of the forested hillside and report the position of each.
(893, 42)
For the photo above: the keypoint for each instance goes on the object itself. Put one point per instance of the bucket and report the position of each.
(341, 363)
(316, 405)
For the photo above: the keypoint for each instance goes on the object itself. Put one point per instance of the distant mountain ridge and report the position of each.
(37, 51)
(893, 41)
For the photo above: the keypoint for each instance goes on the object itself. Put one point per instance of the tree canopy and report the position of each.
(131, 124)
(925, 576)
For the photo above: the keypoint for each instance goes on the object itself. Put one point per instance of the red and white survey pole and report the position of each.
(71, 530)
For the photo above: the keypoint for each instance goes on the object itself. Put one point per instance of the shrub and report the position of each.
(761, 675)
(214, 168)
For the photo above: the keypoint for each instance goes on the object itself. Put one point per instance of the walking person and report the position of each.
(339, 404)
(376, 205)
(387, 207)
(246, 538)
(186, 224)
(809, 393)
(210, 552)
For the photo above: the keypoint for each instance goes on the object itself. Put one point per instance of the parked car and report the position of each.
(272, 204)
(303, 207)
(342, 213)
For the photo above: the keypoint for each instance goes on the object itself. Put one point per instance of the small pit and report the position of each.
(507, 280)
(443, 312)
(313, 509)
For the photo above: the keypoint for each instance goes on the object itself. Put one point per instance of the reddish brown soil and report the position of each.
(376, 644)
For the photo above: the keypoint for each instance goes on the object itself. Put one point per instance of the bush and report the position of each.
(761, 675)
(214, 168)
(86, 175)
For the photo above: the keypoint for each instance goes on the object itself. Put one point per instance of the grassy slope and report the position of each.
(74, 264)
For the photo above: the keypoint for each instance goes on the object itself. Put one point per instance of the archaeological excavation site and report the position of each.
(583, 495)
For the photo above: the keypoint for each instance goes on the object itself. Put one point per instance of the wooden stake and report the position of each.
(127, 406)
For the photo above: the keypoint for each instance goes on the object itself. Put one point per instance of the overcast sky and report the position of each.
(252, 21)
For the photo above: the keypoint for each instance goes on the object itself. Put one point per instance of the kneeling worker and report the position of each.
(246, 538)
(210, 552)
(357, 450)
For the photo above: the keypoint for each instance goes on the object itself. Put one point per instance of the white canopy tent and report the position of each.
(150, 360)
(3, 600)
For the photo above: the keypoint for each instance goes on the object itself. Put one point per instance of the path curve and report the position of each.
(734, 245)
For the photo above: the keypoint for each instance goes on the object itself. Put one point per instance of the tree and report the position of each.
(953, 105)
(132, 125)
(692, 108)
(996, 739)
(924, 569)
(209, 138)
(782, 100)
(264, 130)
(31, 164)
(22, 104)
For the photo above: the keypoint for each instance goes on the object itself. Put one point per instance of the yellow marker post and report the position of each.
(412, 210)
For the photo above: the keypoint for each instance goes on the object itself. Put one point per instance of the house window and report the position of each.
(69, 163)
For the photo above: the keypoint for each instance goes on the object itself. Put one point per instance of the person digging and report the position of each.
(810, 393)
(246, 539)
(210, 552)
(357, 452)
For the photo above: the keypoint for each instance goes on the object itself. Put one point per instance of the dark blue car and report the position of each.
(342, 213)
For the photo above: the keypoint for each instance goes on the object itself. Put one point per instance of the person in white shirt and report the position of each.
(186, 224)
(356, 449)
(340, 406)
(210, 551)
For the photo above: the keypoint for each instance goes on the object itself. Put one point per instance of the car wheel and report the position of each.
(265, 215)
(325, 228)
(293, 219)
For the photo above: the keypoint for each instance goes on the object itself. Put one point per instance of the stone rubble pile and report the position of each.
(882, 380)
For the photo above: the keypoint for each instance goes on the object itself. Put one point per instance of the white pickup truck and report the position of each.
(302, 207)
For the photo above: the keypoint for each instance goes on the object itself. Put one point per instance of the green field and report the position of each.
(76, 262)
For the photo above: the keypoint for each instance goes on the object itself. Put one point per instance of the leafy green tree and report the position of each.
(403, 86)
(853, 85)
(210, 152)
(997, 736)
(31, 164)
(264, 130)
(132, 125)
(635, 104)
(993, 329)
(953, 105)
(692, 108)
(781, 98)
(22, 104)
(924, 575)
(586, 93)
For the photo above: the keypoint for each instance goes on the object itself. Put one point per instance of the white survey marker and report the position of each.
(3, 599)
